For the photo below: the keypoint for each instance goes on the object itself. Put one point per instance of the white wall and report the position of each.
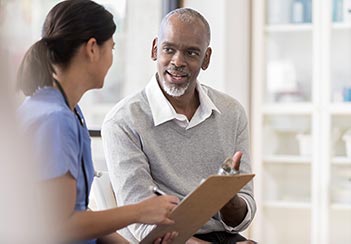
(230, 25)
(143, 21)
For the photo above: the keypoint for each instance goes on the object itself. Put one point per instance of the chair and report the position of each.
(101, 190)
(103, 194)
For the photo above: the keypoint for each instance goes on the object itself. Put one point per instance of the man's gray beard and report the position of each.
(175, 90)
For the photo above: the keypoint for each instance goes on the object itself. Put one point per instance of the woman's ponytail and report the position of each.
(35, 70)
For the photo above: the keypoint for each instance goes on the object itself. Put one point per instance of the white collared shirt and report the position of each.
(163, 111)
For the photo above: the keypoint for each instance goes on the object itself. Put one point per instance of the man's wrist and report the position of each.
(236, 209)
(236, 203)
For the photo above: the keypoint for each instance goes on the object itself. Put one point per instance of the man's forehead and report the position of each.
(184, 21)
(182, 28)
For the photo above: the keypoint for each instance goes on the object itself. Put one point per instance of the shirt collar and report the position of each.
(162, 110)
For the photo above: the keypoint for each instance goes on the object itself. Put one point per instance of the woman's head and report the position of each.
(67, 26)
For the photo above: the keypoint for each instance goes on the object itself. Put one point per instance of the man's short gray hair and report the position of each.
(187, 15)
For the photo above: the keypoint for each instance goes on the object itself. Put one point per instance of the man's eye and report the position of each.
(193, 53)
(168, 50)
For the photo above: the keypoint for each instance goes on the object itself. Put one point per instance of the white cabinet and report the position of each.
(301, 112)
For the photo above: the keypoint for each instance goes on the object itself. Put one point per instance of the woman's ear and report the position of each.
(92, 50)
(206, 61)
(154, 50)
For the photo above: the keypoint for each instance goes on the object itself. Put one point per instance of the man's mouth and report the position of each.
(177, 76)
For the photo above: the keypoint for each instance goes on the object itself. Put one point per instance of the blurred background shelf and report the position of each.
(301, 120)
(289, 28)
(346, 161)
(341, 207)
(341, 26)
(286, 159)
(340, 108)
(288, 108)
(287, 205)
(279, 28)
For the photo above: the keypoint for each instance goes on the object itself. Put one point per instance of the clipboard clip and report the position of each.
(227, 168)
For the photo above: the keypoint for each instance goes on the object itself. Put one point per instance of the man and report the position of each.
(176, 131)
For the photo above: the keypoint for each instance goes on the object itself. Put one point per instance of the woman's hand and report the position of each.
(157, 209)
(168, 238)
(113, 238)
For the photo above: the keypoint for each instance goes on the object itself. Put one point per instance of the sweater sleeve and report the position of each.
(128, 167)
(242, 144)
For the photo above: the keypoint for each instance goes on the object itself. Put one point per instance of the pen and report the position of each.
(157, 191)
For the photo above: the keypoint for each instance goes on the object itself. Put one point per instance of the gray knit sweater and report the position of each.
(139, 154)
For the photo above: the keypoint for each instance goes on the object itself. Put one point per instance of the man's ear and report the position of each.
(154, 49)
(206, 61)
(91, 49)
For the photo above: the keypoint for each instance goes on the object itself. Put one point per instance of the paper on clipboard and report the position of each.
(199, 206)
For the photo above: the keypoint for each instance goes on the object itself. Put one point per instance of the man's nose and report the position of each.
(178, 59)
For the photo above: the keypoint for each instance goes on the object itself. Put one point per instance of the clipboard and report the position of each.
(199, 206)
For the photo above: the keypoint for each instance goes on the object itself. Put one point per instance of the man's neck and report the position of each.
(186, 104)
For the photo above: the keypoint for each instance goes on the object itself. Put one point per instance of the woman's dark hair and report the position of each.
(68, 25)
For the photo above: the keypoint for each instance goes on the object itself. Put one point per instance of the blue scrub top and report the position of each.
(59, 140)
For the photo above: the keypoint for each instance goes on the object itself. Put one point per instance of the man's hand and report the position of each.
(236, 160)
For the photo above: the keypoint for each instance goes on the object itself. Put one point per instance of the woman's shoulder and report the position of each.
(47, 104)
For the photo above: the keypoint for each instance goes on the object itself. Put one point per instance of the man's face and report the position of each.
(181, 51)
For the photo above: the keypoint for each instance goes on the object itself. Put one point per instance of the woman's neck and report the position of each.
(72, 88)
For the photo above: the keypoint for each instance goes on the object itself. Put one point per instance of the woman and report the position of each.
(73, 57)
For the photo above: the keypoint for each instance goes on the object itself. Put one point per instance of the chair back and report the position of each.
(102, 192)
